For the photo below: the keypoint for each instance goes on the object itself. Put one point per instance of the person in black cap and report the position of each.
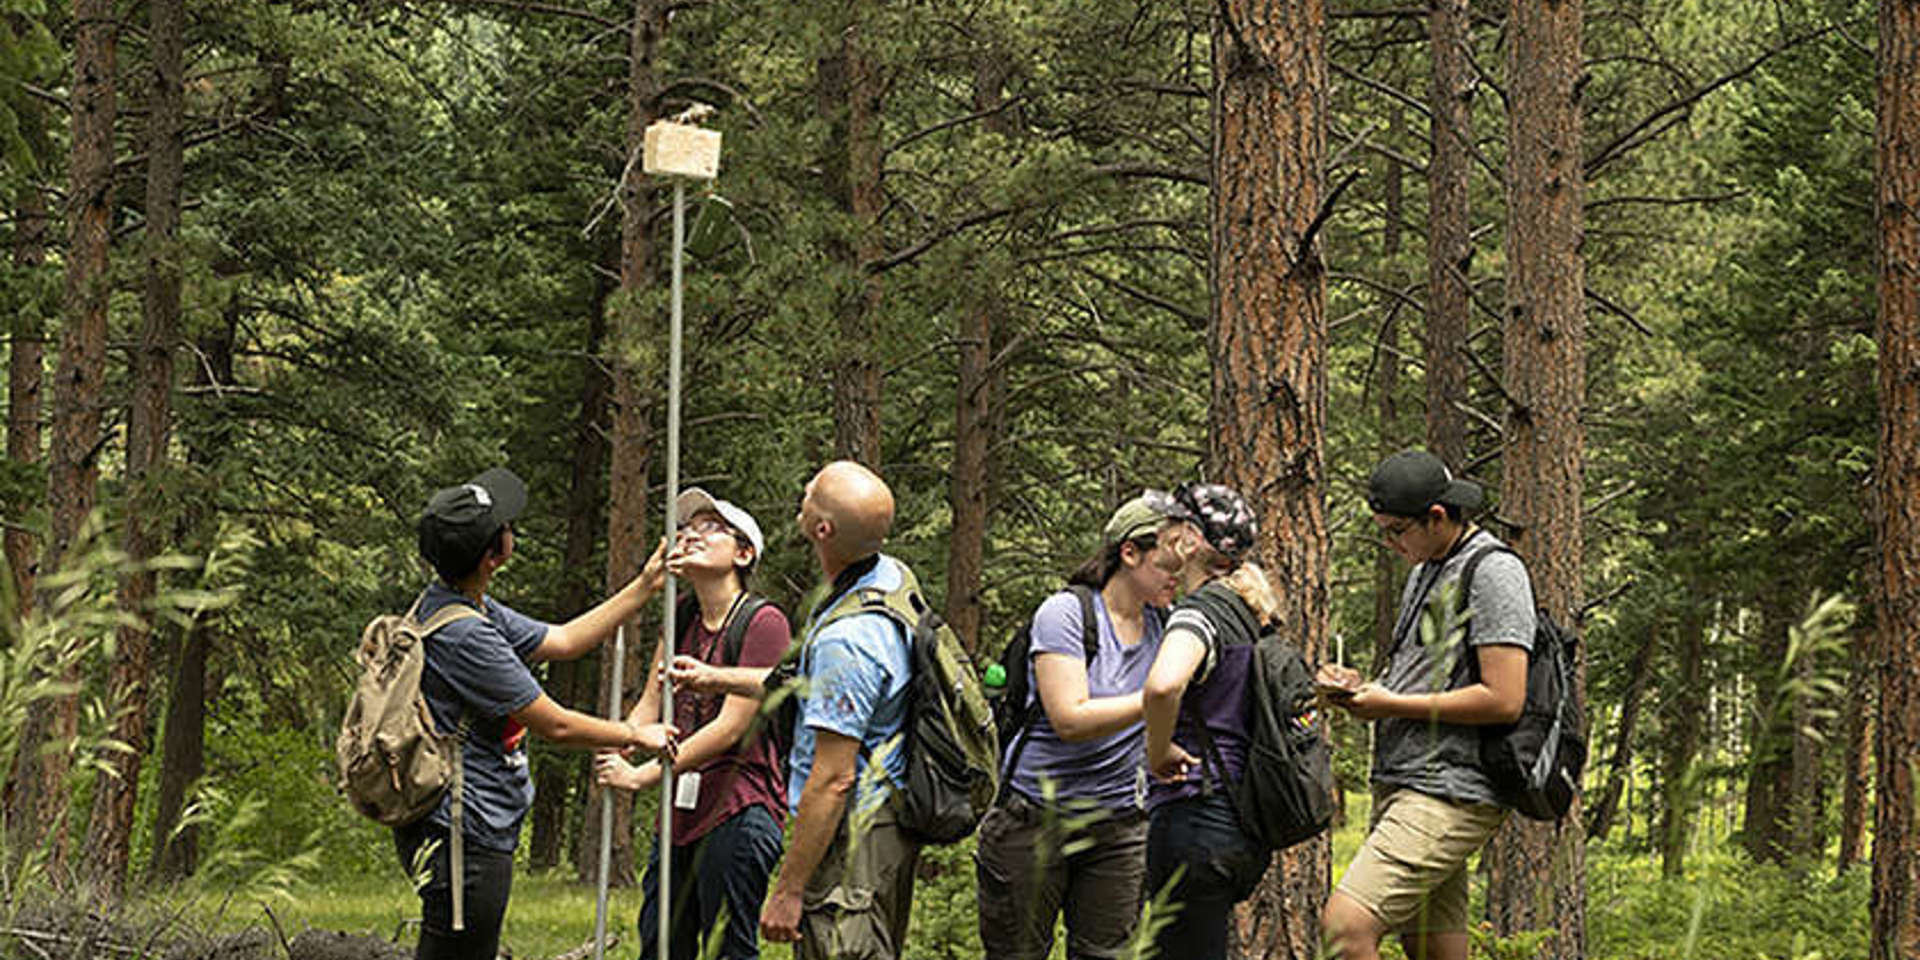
(477, 680)
(1198, 727)
(1433, 806)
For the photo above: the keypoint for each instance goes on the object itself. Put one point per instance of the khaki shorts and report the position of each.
(1412, 869)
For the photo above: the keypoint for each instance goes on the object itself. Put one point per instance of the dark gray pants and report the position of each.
(1034, 862)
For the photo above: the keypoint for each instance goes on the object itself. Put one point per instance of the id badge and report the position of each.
(686, 790)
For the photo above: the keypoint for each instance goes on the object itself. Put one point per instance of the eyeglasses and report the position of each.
(1399, 528)
(706, 526)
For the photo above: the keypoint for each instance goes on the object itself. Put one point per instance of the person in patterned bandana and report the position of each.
(1199, 677)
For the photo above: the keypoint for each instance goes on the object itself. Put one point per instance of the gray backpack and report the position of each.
(393, 764)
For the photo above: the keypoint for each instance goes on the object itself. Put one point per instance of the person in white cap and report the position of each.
(729, 793)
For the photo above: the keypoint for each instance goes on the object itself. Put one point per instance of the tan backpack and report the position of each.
(393, 764)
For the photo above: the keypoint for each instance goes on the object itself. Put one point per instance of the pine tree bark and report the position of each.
(851, 95)
(26, 374)
(630, 452)
(149, 421)
(1896, 839)
(1535, 870)
(1685, 713)
(176, 847)
(974, 419)
(79, 386)
(1600, 818)
(1267, 338)
(1856, 768)
(554, 770)
(1449, 231)
(1765, 829)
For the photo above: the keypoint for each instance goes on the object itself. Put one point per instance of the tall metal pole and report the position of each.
(663, 904)
(606, 799)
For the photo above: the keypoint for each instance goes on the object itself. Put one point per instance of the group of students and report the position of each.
(1113, 792)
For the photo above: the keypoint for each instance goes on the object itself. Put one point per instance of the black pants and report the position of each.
(1223, 865)
(489, 879)
(723, 872)
(1034, 862)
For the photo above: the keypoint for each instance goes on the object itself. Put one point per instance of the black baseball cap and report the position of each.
(1409, 482)
(459, 522)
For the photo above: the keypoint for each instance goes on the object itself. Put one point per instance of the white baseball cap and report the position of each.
(694, 500)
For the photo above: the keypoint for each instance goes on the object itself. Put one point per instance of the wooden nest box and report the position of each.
(681, 150)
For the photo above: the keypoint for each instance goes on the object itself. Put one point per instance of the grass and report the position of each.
(1724, 907)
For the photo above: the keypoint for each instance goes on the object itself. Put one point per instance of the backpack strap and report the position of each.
(1089, 642)
(735, 630)
(1467, 670)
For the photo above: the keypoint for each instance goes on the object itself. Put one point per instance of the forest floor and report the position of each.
(1724, 907)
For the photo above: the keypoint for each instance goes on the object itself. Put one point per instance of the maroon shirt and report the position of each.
(749, 774)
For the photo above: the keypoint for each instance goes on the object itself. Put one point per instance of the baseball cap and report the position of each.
(1220, 513)
(459, 522)
(1407, 483)
(1135, 517)
(694, 500)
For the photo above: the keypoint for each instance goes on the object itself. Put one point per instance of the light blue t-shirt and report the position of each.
(854, 677)
(478, 668)
(1106, 770)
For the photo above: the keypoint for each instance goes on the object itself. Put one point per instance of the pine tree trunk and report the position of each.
(1268, 343)
(79, 385)
(1805, 801)
(1896, 839)
(1449, 233)
(851, 91)
(1765, 830)
(1536, 871)
(110, 836)
(1600, 819)
(26, 374)
(1856, 770)
(974, 418)
(1685, 712)
(176, 848)
(555, 770)
(630, 454)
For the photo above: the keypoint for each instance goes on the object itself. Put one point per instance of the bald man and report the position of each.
(837, 898)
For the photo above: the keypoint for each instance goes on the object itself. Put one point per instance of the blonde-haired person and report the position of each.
(1068, 833)
(1199, 679)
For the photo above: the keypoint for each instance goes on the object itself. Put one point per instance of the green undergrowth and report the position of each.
(1724, 908)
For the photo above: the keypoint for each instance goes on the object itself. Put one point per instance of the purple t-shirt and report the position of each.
(1217, 695)
(1107, 770)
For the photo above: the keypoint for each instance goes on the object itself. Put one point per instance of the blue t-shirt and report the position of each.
(477, 668)
(1109, 770)
(854, 677)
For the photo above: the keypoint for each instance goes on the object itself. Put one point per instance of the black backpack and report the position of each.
(1012, 714)
(1285, 794)
(1535, 762)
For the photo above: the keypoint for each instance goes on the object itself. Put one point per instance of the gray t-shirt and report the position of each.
(1443, 759)
(479, 668)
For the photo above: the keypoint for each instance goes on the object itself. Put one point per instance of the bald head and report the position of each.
(846, 513)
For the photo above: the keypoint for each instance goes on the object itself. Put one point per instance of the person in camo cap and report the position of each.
(1068, 833)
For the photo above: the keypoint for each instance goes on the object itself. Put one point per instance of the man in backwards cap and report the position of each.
(1433, 804)
(477, 673)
